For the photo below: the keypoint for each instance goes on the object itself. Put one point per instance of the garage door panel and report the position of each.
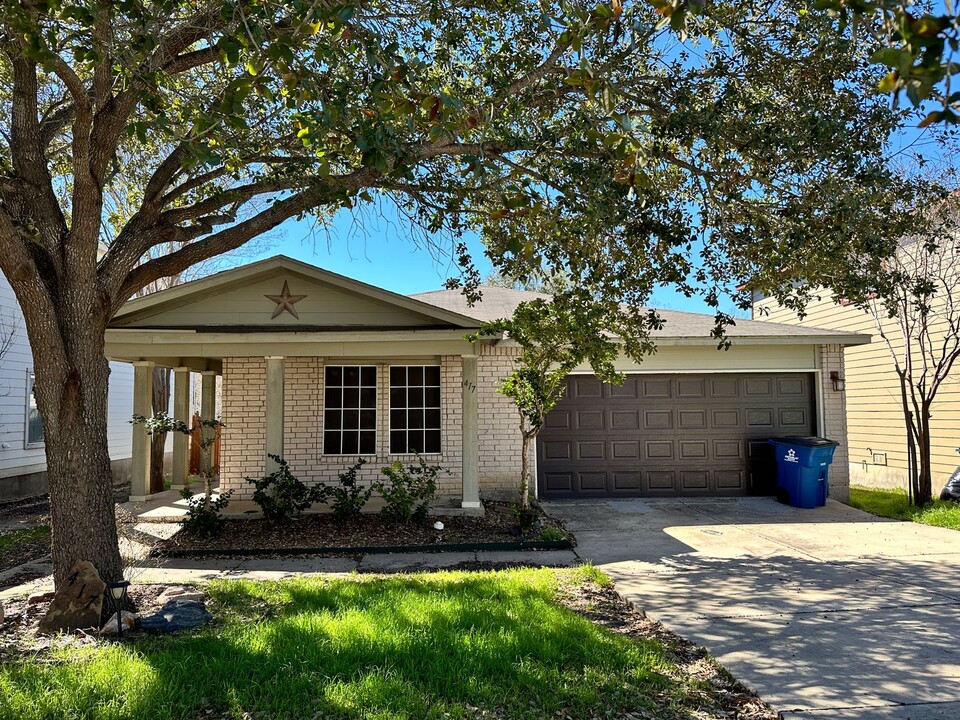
(692, 419)
(793, 417)
(670, 434)
(693, 449)
(694, 480)
(658, 420)
(760, 417)
(587, 388)
(625, 420)
(691, 387)
(658, 449)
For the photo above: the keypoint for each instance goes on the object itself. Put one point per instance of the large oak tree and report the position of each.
(622, 144)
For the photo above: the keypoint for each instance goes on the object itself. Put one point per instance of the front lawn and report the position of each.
(894, 504)
(440, 645)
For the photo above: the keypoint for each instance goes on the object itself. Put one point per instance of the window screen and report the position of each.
(350, 410)
(414, 409)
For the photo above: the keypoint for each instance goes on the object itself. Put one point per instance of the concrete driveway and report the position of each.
(826, 613)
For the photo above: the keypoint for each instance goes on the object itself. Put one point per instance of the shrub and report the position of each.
(408, 490)
(280, 494)
(552, 534)
(203, 515)
(349, 497)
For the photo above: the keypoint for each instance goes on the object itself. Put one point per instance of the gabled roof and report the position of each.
(499, 302)
(139, 310)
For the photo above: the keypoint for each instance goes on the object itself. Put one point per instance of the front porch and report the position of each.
(337, 372)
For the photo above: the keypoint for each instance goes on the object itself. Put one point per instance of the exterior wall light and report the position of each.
(839, 384)
(118, 593)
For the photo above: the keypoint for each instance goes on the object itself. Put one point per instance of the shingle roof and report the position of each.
(499, 302)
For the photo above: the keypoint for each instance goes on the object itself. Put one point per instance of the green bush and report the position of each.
(280, 494)
(552, 534)
(347, 500)
(408, 489)
(203, 516)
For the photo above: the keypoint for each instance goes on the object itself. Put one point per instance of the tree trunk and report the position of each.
(525, 471)
(83, 521)
(924, 489)
(158, 441)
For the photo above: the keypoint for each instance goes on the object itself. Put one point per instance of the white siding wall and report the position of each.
(15, 458)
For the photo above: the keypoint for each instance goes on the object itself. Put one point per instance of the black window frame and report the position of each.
(365, 432)
(422, 405)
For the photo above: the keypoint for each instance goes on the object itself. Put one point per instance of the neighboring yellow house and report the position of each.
(875, 425)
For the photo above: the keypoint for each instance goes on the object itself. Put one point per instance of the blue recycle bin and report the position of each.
(803, 465)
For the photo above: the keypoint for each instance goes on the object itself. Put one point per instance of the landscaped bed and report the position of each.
(310, 533)
(510, 644)
(895, 504)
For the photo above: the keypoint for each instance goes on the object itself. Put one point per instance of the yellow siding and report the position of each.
(874, 415)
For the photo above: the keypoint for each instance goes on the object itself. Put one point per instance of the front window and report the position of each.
(414, 409)
(350, 410)
(34, 423)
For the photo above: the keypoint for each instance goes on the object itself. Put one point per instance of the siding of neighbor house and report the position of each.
(874, 414)
(17, 460)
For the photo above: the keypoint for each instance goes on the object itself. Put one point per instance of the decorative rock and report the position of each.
(177, 615)
(179, 593)
(128, 619)
(78, 603)
(438, 525)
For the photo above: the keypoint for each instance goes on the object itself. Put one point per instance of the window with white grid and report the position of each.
(414, 409)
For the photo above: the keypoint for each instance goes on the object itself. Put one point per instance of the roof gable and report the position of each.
(252, 297)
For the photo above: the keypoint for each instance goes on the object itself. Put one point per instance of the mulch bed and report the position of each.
(18, 629)
(722, 695)
(323, 531)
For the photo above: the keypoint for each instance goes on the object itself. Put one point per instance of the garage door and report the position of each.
(670, 434)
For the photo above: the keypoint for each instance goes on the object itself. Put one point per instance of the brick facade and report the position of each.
(834, 415)
(244, 413)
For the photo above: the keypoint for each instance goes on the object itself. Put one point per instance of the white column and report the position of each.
(274, 428)
(140, 448)
(181, 413)
(208, 405)
(471, 455)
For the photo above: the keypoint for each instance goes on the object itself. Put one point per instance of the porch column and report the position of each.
(274, 424)
(181, 413)
(471, 454)
(208, 407)
(140, 447)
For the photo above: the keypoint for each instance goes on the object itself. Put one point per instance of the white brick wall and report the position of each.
(499, 426)
(834, 412)
(244, 415)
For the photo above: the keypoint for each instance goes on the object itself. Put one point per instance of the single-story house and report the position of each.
(322, 369)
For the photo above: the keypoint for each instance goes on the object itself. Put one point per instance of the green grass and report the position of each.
(424, 646)
(894, 504)
(10, 540)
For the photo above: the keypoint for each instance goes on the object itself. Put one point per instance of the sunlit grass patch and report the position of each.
(431, 645)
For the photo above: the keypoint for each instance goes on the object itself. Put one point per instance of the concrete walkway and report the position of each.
(826, 613)
(180, 571)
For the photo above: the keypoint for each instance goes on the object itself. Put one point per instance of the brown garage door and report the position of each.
(670, 434)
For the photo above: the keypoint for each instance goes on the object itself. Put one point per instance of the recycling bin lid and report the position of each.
(806, 441)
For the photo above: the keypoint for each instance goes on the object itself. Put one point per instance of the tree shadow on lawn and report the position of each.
(384, 648)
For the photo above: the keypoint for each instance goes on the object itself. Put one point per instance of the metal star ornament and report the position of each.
(285, 301)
